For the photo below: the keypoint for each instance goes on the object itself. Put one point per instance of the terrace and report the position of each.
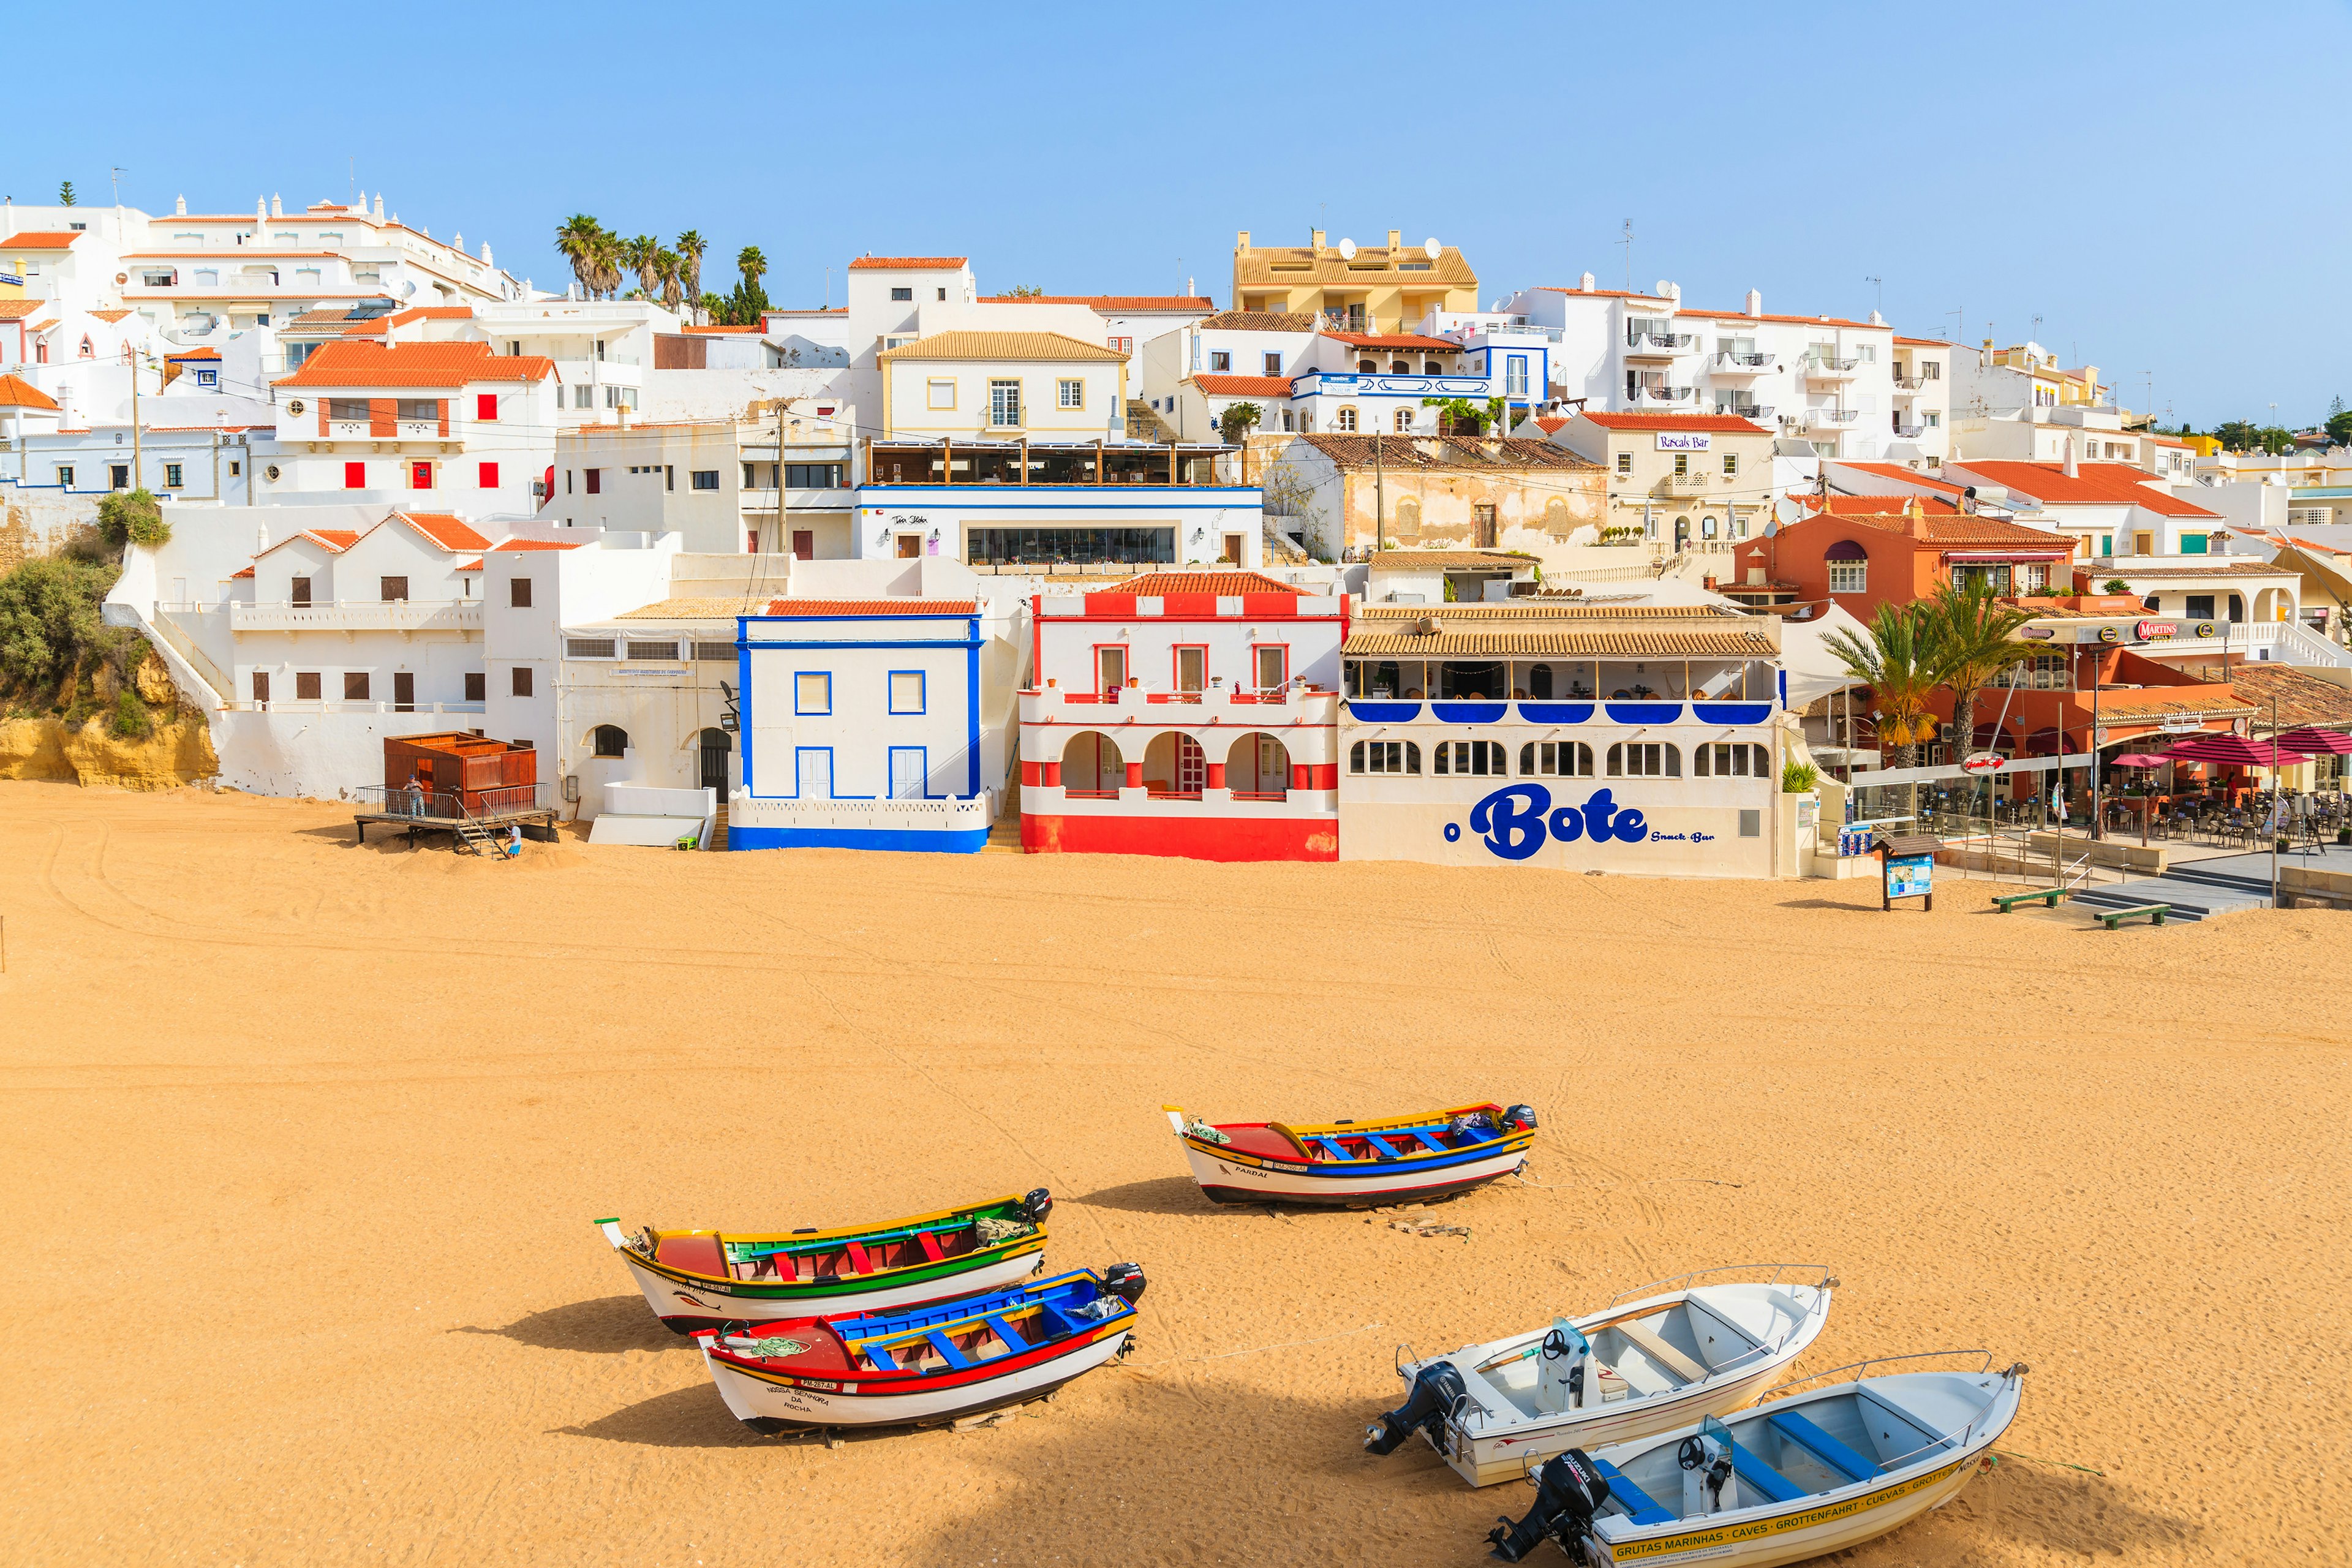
(1058, 463)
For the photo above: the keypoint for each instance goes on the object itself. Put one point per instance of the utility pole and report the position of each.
(138, 461)
(1380, 498)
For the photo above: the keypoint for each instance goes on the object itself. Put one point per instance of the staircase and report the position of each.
(475, 837)
(1004, 833)
(2195, 894)
(718, 840)
(1144, 424)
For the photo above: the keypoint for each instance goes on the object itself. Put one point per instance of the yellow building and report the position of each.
(1005, 385)
(1362, 289)
(2053, 385)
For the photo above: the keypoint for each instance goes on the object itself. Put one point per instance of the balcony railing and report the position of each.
(312, 705)
(360, 616)
(1909, 432)
(1755, 411)
(1830, 369)
(402, 429)
(1660, 396)
(1832, 415)
(1641, 341)
(1910, 383)
(1744, 365)
(1682, 485)
(1345, 384)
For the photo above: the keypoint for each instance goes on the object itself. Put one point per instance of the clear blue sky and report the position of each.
(2159, 184)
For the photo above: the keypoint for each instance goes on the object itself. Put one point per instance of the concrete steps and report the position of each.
(1004, 833)
(719, 829)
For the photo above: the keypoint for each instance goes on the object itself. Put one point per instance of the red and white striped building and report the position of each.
(1192, 713)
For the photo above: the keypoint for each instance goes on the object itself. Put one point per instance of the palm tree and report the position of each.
(713, 307)
(1975, 636)
(690, 246)
(580, 239)
(665, 270)
(751, 264)
(1899, 663)
(638, 254)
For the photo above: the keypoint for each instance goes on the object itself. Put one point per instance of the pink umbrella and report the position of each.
(2234, 749)
(2316, 743)
(2138, 759)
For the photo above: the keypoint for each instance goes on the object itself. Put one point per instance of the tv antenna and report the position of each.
(1881, 283)
(1628, 243)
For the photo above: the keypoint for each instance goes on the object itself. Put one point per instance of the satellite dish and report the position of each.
(1347, 250)
(1430, 248)
(1771, 528)
(1788, 510)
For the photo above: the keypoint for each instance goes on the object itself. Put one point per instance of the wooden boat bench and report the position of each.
(2047, 897)
(2155, 913)
(1649, 1343)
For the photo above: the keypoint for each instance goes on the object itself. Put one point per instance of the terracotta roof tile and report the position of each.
(2221, 567)
(1396, 340)
(1000, 346)
(2093, 484)
(1243, 385)
(334, 541)
(1923, 342)
(1897, 471)
(2302, 699)
(17, 310)
(246, 573)
(41, 239)
(361, 363)
(1107, 301)
(718, 330)
(444, 529)
(194, 355)
(828, 608)
(1438, 560)
(1725, 424)
(1437, 454)
(506, 544)
(109, 317)
(15, 392)
(1262, 321)
(1226, 584)
(907, 263)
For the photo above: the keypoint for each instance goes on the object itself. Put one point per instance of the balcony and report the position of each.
(1335, 383)
(1682, 485)
(1749, 364)
(1831, 418)
(402, 430)
(1643, 344)
(405, 616)
(1910, 383)
(1659, 397)
(1761, 412)
(1831, 370)
(1909, 432)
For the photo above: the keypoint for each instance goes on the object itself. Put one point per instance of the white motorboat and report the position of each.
(1659, 1356)
(1825, 1464)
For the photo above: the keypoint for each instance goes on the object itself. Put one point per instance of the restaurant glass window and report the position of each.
(1563, 759)
(1645, 759)
(1479, 759)
(1385, 757)
(1730, 759)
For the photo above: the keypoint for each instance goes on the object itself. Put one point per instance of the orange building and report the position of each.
(1862, 551)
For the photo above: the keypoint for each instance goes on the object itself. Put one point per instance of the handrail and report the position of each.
(1945, 1441)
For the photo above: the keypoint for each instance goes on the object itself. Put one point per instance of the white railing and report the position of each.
(314, 705)
(1832, 415)
(1744, 365)
(360, 616)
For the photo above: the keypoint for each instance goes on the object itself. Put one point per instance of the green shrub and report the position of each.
(129, 721)
(2114, 585)
(132, 517)
(1799, 778)
(51, 627)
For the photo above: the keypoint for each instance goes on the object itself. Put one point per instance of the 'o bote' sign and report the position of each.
(1516, 819)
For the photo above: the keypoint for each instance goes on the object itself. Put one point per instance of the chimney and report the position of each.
(1584, 284)
(182, 207)
(1876, 320)
(1318, 241)
(623, 414)
(1756, 302)
(276, 207)
(379, 206)
(362, 203)
(1241, 239)
(1396, 239)
(2068, 468)
(486, 254)
(1188, 288)
(261, 210)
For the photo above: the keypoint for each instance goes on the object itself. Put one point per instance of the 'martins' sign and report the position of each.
(1682, 441)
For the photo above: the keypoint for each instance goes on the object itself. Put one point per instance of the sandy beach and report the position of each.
(306, 1141)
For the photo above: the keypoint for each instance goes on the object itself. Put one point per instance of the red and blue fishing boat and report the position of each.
(696, 1279)
(923, 1367)
(1355, 1164)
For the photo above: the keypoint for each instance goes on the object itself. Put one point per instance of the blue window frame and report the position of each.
(908, 691)
(812, 692)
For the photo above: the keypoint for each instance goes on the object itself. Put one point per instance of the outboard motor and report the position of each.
(1036, 1205)
(1519, 1118)
(1568, 1492)
(1424, 1410)
(1124, 1280)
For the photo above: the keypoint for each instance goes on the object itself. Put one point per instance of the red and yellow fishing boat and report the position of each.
(1354, 1164)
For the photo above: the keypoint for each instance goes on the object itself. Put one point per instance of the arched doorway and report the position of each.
(1258, 765)
(715, 749)
(1173, 763)
(1091, 764)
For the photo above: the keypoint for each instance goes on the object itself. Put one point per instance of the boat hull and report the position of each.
(770, 1402)
(1485, 1460)
(686, 1302)
(1227, 1178)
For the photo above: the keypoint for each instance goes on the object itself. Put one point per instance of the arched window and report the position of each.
(1091, 764)
(1346, 420)
(1730, 759)
(1384, 757)
(1483, 758)
(1173, 763)
(1707, 528)
(1431, 367)
(1258, 765)
(1563, 759)
(1368, 367)
(1540, 683)
(1645, 759)
(1401, 367)
(1849, 567)
(610, 740)
(1404, 421)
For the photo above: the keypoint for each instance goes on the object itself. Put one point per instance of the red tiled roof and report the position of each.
(473, 565)
(15, 392)
(1549, 423)
(444, 529)
(907, 263)
(1897, 471)
(506, 544)
(195, 353)
(1107, 301)
(432, 313)
(1923, 342)
(708, 330)
(1863, 506)
(2093, 484)
(828, 608)
(1726, 423)
(246, 573)
(334, 541)
(1602, 293)
(41, 239)
(1243, 385)
(1395, 341)
(17, 310)
(109, 317)
(361, 363)
(1224, 585)
(1945, 526)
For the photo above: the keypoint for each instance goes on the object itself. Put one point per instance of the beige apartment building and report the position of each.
(1353, 288)
(1678, 482)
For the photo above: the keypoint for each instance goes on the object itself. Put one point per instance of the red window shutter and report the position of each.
(489, 476)
(354, 476)
(595, 476)
(486, 406)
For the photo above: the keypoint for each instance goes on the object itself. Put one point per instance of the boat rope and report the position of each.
(1284, 1345)
(2009, 1454)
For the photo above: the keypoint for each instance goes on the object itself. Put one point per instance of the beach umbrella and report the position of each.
(2138, 759)
(2316, 743)
(2233, 749)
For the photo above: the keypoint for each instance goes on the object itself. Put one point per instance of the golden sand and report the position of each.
(304, 1143)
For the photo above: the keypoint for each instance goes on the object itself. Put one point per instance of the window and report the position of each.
(1565, 759)
(392, 590)
(65, 476)
(595, 480)
(1346, 420)
(1682, 465)
(170, 476)
(2199, 607)
(486, 406)
(487, 476)
(706, 479)
(519, 592)
(813, 692)
(1221, 362)
(725, 650)
(1400, 367)
(1191, 668)
(620, 397)
(1730, 759)
(1404, 421)
(1751, 824)
(1645, 759)
(812, 476)
(354, 476)
(610, 741)
(420, 475)
(521, 681)
(1110, 668)
(261, 686)
(1933, 419)
(1479, 758)
(906, 691)
(907, 294)
(583, 395)
(1270, 362)
(1385, 757)
(1730, 463)
(588, 648)
(415, 408)
(1004, 403)
(1273, 667)
(1514, 375)
(1849, 576)
(477, 685)
(299, 591)
(1288, 418)
(943, 294)
(1073, 392)
(306, 686)
(1624, 462)
(207, 377)
(355, 686)
(1869, 355)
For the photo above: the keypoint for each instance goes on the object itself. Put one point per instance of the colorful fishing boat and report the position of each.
(694, 1279)
(1658, 1357)
(923, 1367)
(1355, 1164)
(1810, 1469)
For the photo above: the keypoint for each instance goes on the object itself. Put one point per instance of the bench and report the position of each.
(1794, 1428)
(2155, 913)
(1645, 1340)
(2047, 897)
(1764, 1478)
(1643, 1508)
(1013, 1338)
